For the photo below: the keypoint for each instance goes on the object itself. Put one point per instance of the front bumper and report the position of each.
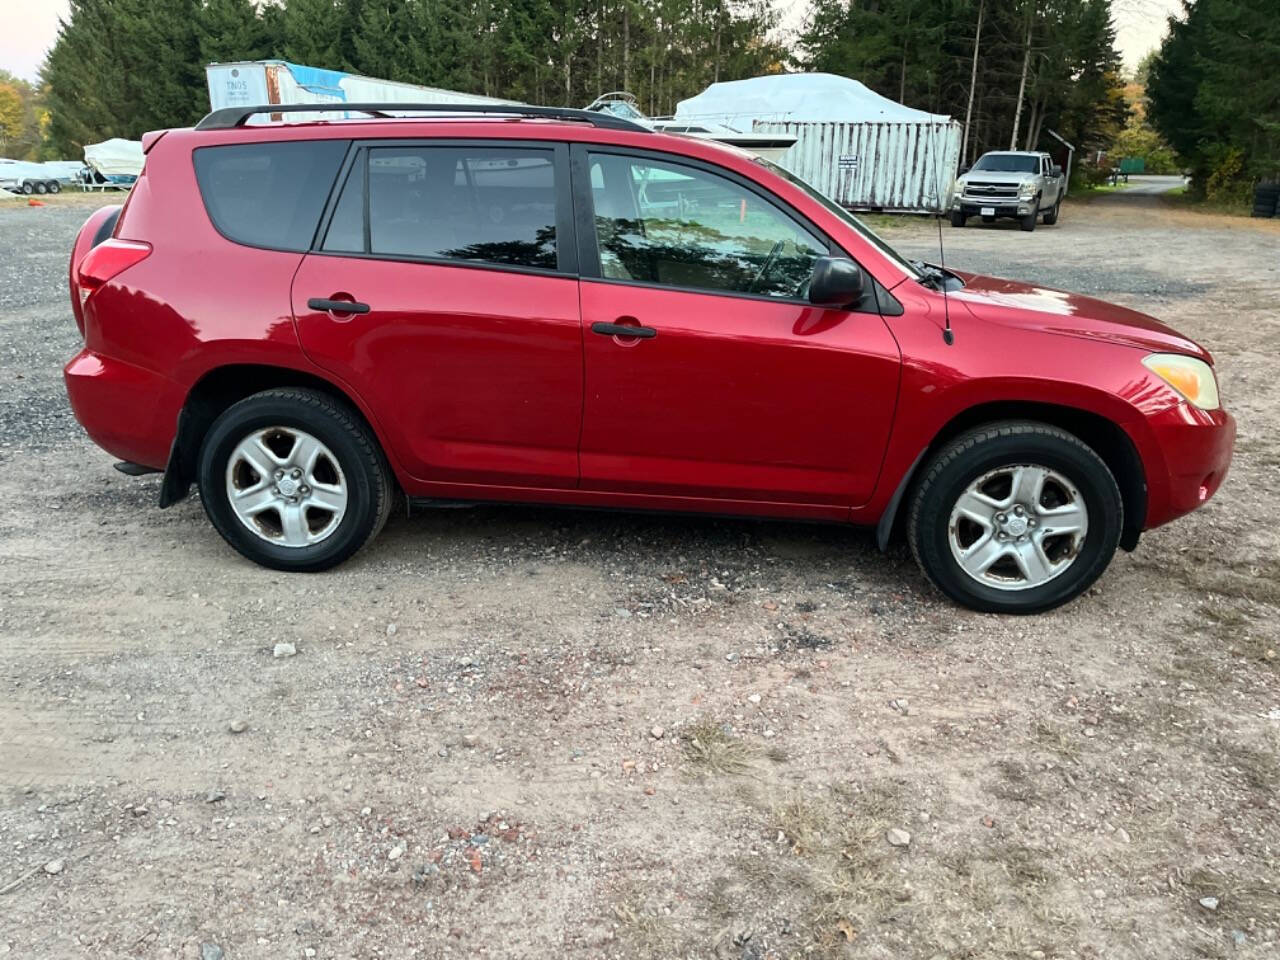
(1000, 206)
(130, 412)
(1191, 457)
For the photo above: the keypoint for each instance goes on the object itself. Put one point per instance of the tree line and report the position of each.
(1009, 70)
(1214, 94)
(121, 67)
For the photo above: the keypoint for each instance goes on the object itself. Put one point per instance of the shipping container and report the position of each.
(898, 167)
(253, 83)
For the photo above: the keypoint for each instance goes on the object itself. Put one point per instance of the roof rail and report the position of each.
(228, 118)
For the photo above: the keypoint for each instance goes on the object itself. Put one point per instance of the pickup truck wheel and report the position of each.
(1028, 223)
(1015, 517)
(1051, 216)
(957, 218)
(294, 480)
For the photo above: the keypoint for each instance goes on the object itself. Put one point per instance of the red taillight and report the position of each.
(105, 261)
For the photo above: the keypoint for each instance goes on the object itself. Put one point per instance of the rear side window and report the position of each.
(485, 204)
(268, 194)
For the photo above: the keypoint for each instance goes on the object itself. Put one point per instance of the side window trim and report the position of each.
(567, 254)
(355, 155)
(584, 221)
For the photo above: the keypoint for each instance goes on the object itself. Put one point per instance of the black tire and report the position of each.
(958, 219)
(1028, 223)
(28, 188)
(973, 454)
(1051, 216)
(55, 186)
(339, 428)
(42, 187)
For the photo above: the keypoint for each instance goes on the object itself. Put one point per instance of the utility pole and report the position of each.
(973, 79)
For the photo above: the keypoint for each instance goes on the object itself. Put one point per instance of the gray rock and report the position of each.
(396, 853)
(1209, 903)
(657, 733)
(214, 796)
(284, 650)
(54, 867)
(238, 726)
(898, 837)
(210, 951)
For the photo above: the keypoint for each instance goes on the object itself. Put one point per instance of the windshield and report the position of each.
(866, 232)
(1008, 163)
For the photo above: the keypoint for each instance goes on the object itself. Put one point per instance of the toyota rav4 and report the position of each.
(306, 320)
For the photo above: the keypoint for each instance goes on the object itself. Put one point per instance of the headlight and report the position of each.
(1192, 378)
(1027, 188)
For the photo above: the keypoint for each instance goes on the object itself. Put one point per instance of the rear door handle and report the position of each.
(338, 306)
(623, 330)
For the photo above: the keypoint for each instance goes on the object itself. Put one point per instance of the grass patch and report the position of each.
(709, 747)
(843, 868)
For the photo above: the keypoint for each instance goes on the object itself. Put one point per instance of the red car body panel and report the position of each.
(486, 383)
(738, 398)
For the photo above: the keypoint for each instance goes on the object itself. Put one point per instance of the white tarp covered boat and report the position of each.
(861, 149)
(117, 162)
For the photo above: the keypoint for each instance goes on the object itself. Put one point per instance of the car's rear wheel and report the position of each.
(294, 480)
(1051, 215)
(1015, 517)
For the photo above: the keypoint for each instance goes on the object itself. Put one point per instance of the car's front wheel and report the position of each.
(1015, 517)
(957, 218)
(294, 480)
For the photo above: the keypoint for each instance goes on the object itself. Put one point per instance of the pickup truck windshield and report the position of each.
(1008, 163)
(870, 235)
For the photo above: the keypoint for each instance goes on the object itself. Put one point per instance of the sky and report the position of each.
(32, 25)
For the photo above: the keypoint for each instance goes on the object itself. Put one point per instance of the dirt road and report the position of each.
(527, 733)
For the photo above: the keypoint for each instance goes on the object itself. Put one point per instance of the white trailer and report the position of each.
(865, 151)
(252, 83)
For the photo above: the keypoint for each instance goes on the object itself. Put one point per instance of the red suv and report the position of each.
(554, 306)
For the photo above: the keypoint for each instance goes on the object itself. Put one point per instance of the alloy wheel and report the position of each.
(286, 486)
(1018, 527)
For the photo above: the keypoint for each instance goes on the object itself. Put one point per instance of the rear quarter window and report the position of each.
(268, 194)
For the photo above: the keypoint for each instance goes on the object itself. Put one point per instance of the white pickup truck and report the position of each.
(1019, 185)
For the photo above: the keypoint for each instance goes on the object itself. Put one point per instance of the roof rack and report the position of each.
(228, 118)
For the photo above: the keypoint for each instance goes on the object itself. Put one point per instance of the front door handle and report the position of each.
(337, 306)
(623, 330)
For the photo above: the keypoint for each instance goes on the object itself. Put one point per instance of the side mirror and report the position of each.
(836, 282)
(1056, 170)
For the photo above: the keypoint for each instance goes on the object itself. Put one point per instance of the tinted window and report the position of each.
(679, 226)
(489, 204)
(268, 194)
(346, 228)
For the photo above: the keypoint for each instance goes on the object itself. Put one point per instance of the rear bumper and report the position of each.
(1194, 448)
(130, 412)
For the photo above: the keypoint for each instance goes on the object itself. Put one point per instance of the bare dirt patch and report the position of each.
(528, 733)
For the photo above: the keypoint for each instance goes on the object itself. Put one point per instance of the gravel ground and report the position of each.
(533, 733)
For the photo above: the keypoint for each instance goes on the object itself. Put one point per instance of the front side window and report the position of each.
(483, 204)
(673, 225)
